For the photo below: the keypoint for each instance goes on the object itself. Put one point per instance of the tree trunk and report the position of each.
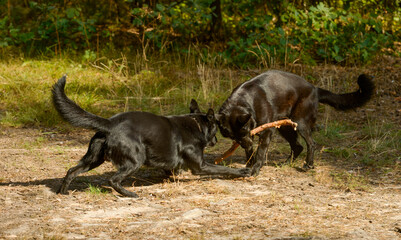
(216, 18)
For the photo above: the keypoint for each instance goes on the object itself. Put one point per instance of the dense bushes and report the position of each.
(240, 32)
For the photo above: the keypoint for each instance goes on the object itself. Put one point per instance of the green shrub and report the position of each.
(247, 33)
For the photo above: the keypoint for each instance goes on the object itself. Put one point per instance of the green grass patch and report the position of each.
(381, 144)
(97, 191)
(376, 144)
(333, 136)
(334, 131)
(341, 152)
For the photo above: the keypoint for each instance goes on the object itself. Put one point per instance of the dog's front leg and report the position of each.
(247, 144)
(261, 153)
(211, 169)
(198, 166)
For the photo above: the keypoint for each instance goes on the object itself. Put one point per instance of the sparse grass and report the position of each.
(38, 142)
(108, 86)
(97, 191)
(350, 181)
(333, 130)
(373, 146)
(382, 144)
(341, 152)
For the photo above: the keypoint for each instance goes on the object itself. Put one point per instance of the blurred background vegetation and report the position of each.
(240, 33)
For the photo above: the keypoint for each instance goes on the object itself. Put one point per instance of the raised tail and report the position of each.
(73, 113)
(352, 100)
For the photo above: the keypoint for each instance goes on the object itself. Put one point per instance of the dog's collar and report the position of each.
(197, 123)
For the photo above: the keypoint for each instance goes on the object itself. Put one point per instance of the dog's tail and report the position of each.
(73, 113)
(351, 100)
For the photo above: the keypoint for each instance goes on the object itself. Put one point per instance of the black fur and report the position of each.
(276, 95)
(132, 139)
(352, 100)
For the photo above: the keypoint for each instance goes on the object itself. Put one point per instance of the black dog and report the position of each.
(132, 139)
(276, 95)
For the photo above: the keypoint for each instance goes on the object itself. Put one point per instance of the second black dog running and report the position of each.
(132, 139)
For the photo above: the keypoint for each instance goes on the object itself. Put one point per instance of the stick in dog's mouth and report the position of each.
(276, 124)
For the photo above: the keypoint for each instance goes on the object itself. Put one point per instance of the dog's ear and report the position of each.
(210, 115)
(194, 107)
(244, 119)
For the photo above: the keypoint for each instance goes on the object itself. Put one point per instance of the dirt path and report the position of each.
(281, 203)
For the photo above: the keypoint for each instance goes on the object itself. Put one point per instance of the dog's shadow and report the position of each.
(143, 177)
(274, 160)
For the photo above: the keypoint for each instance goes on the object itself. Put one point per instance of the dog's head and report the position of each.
(236, 124)
(207, 122)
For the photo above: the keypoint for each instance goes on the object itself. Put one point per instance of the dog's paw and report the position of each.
(131, 195)
(128, 194)
(255, 171)
(306, 167)
(245, 172)
(62, 192)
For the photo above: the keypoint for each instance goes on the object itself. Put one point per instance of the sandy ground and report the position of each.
(281, 203)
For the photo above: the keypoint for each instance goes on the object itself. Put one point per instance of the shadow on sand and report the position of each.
(144, 177)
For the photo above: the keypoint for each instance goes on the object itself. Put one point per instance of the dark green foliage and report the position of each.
(243, 32)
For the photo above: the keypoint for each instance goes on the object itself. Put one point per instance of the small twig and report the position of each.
(252, 155)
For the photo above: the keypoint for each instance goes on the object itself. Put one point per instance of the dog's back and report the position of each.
(270, 96)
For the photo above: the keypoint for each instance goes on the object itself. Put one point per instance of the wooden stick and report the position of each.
(228, 153)
(276, 124)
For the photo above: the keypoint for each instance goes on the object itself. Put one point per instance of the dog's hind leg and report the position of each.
(127, 156)
(305, 115)
(304, 129)
(123, 172)
(310, 146)
(93, 158)
(292, 137)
